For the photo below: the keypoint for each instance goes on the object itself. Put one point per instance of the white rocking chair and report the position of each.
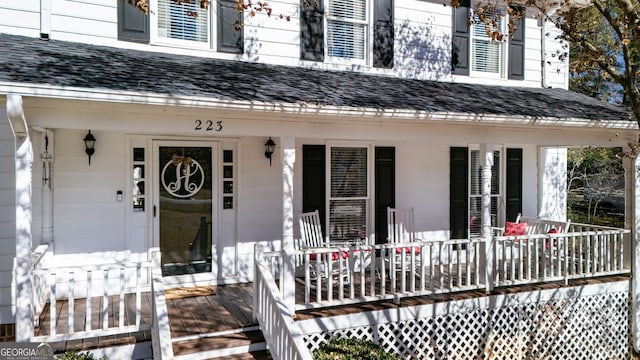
(311, 237)
(400, 225)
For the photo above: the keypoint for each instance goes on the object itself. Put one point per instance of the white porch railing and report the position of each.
(104, 294)
(584, 251)
(282, 335)
(389, 271)
(376, 272)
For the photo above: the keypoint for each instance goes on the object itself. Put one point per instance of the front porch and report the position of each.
(515, 295)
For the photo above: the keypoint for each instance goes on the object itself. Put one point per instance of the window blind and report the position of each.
(177, 22)
(486, 54)
(349, 193)
(347, 28)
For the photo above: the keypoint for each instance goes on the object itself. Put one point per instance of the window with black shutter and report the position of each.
(344, 26)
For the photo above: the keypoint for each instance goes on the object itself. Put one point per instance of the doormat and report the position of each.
(181, 293)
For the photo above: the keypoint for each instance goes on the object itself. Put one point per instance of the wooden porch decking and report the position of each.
(228, 308)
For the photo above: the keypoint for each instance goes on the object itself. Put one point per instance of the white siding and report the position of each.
(86, 21)
(422, 40)
(87, 215)
(555, 70)
(20, 17)
(7, 218)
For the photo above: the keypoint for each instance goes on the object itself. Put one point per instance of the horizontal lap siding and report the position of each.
(20, 17)
(87, 215)
(422, 32)
(73, 20)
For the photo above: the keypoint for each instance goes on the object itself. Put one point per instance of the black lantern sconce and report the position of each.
(269, 146)
(89, 144)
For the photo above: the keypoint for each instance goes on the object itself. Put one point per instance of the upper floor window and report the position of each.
(475, 51)
(184, 24)
(487, 54)
(347, 28)
(359, 30)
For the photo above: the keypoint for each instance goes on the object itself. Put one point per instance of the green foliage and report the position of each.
(595, 183)
(350, 349)
(76, 355)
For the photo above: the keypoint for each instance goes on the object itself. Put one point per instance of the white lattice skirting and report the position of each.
(587, 322)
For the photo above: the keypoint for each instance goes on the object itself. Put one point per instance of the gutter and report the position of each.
(304, 109)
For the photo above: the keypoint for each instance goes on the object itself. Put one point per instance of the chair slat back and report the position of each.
(543, 226)
(311, 230)
(400, 225)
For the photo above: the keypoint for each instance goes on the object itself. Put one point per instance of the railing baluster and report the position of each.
(70, 302)
(87, 321)
(52, 305)
(121, 305)
(139, 296)
(105, 300)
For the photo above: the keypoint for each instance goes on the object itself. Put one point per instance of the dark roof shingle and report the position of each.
(60, 63)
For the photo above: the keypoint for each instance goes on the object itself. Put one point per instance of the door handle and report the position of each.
(154, 211)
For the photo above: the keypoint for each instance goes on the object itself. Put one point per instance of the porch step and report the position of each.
(243, 344)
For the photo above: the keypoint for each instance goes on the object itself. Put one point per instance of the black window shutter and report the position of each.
(314, 180)
(514, 184)
(133, 23)
(385, 189)
(312, 30)
(516, 53)
(383, 34)
(458, 193)
(230, 36)
(460, 45)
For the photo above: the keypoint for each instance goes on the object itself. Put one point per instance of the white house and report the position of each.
(368, 104)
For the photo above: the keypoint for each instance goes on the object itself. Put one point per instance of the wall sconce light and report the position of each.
(269, 146)
(89, 144)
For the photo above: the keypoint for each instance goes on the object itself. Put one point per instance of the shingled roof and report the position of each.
(32, 61)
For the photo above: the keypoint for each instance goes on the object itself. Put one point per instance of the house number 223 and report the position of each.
(208, 125)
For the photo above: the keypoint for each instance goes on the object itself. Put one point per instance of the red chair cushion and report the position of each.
(408, 250)
(514, 229)
(334, 256)
(546, 242)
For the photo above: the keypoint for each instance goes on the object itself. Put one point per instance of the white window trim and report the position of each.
(504, 54)
(368, 41)
(370, 179)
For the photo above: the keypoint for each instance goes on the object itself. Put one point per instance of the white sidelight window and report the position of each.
(475, 192)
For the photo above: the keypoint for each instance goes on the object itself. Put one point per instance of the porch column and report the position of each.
(486, 156)
(288, 152)
(23, 161)
(635, 252)
(552, 185)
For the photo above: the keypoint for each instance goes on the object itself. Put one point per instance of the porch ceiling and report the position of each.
(33, 62)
